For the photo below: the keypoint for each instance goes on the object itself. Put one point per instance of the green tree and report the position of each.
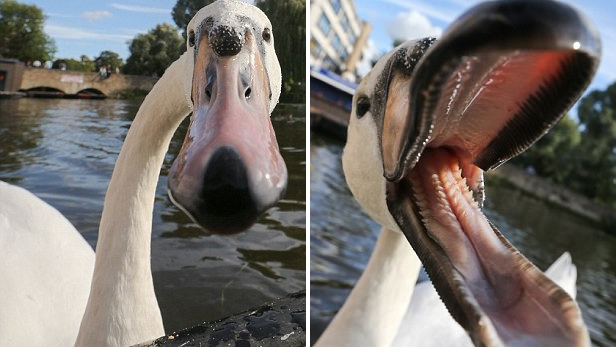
(185, 10)
(21, 33)
(596, 153)
(551, 156)
(581, 156)
(288, 19)
(153, 52)
(88, 64)
(84, 64)
(108, 59)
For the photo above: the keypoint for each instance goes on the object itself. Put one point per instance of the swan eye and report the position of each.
(363, 106)
(191, 38)
(267, 35)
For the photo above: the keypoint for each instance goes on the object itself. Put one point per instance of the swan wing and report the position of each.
(564, 273)
(46, 270)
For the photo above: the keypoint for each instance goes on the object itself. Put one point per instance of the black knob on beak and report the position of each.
(225, 41)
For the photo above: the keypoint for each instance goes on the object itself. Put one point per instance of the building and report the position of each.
(337, 36)
(11, 72)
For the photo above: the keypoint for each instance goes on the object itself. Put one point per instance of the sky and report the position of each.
(410, 19)
(92, 26)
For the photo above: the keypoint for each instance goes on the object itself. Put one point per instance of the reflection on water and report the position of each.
(342, 238)
(64, 152)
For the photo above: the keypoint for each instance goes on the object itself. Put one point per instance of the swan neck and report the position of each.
(122, 309)
(374, 309)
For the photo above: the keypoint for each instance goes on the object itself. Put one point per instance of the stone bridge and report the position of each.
(74, 82)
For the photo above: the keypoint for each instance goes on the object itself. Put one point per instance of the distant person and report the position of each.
(103, 72)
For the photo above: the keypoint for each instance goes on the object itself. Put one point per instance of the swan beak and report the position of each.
(229, 169)
(500, 77)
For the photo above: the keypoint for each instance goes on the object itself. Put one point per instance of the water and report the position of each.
(64, 152)
(342, 238)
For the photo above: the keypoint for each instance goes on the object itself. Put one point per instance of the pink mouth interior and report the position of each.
(505, 288)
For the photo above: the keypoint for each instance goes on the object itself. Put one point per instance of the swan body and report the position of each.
(54, 274)
(425, 123)
(52, 241)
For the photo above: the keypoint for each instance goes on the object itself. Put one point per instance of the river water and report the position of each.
(64, 152)
(342, 238)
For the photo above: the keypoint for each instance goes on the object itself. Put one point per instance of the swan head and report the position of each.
(229, 169)
(426, 122)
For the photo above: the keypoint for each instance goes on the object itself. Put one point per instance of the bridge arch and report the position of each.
(45, 92)
(90, 93)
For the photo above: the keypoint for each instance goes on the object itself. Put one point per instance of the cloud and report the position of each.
(445, 12)
(411, 25)
(95, 15)
(60, 15)
(72, 33)
(142, 9)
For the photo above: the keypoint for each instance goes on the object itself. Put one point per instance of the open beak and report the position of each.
(501, 76)
(229, 169)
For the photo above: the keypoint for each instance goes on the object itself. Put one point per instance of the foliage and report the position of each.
(108, 59)
(70, 64)
(184, 10)
(288, 19)
(551, 155)
(596, 174)
(581, 156)
(153, 52)
(21, 33)
(87, 63)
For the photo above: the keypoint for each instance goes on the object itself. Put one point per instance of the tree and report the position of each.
(581, 156)
(108, 59)
(84, 64)
(88, 64)
(597, 151)
(184, 10)
(550, 157)
(288, 18)
(153, 52)
(21, 33)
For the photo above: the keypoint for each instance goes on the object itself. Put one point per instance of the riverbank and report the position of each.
(602, 216)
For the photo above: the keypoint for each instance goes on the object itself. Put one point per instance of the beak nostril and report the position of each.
(208, 94)
(248, 93)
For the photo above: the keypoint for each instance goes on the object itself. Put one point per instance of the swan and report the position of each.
(56, 291)
(425, 123)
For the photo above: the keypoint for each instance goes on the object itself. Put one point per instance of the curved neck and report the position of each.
(122, 309)
(372, 313)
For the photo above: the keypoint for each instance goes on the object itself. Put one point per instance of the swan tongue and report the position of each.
(493, 291)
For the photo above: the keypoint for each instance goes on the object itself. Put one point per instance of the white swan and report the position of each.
(425, 122)
(230, 78)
